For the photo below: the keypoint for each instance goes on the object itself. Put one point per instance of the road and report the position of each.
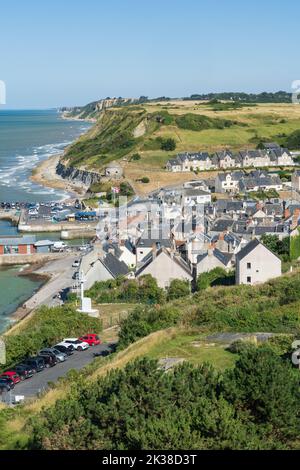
(39, 382)
(61, 271)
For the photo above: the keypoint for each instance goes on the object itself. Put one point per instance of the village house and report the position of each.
(99, 267)
(260, 181)
(270, 155)
(165, 266)
(190, 162)
(212, 259)
(144, 246)
(228, 182)
(195, 196)
(226, 159)
(256, 264)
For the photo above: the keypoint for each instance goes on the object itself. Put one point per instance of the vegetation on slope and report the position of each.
(142, 407)
(121, 132)
(273, 307)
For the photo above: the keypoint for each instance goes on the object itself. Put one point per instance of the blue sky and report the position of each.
(72, 52)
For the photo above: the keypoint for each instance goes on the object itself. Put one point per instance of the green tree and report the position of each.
(267, 387)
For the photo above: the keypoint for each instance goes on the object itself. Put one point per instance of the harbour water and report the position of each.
(26, 139)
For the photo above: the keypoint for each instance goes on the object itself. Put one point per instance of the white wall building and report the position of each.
(256, 264)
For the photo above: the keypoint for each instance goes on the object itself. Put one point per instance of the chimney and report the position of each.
(296, 217)
(210, 251)
(154, 250)
(287, 213)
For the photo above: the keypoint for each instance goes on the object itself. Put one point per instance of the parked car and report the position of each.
(77, 343)
(49, 359)
(104, 353)
(75, 275)
(59, 356)
(7, 381)
(68, 350)
(37, 363)
(24, 371)
(12, 375)
(5, 386)
(76, 263)
(91, 339)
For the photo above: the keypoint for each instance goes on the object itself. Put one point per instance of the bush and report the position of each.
(144, 320)
(141, 290)
(217, 276)
(178, 288)
(168, 145)
(196, 122)
(135, 157)
(145, 180)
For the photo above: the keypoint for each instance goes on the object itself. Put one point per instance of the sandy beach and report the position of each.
(45, 174)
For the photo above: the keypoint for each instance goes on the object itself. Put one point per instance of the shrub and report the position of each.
(145, 180)
(178, 288)
(168, 144)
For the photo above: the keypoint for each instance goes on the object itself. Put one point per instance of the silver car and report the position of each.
(60, 356)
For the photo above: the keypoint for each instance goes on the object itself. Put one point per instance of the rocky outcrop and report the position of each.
(75, 174)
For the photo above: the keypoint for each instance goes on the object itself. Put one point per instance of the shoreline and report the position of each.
(45, 175)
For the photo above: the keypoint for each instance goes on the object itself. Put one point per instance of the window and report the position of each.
(249, 280)
(248, 265)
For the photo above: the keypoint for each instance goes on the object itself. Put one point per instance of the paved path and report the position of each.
(61, 271)
(39, 382)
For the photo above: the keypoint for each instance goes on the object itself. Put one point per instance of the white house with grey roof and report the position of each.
(212, 259)
(256, 264)
(190, 162)
(165, 266)
(271, 155)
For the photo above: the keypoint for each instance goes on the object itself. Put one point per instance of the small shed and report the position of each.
(43, 246)
(114, 170)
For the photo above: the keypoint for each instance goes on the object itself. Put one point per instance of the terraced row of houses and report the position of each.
(270, 155)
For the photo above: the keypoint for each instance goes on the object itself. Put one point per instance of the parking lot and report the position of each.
(39, 382)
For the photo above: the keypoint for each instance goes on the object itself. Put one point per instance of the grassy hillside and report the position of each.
(122, 131)
(176, 329)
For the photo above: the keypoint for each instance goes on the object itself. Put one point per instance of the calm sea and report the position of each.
(27, 138)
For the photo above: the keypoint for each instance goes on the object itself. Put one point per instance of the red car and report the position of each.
(91, 339)
(11, 375)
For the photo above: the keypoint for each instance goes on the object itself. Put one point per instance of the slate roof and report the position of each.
(176, 259)
(250, 247)
(225, 258)
(149, 242)
(114, 266)
(14, 241)
(221, 225)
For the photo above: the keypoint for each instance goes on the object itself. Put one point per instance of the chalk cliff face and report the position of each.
(92, 110)
(74, 174)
